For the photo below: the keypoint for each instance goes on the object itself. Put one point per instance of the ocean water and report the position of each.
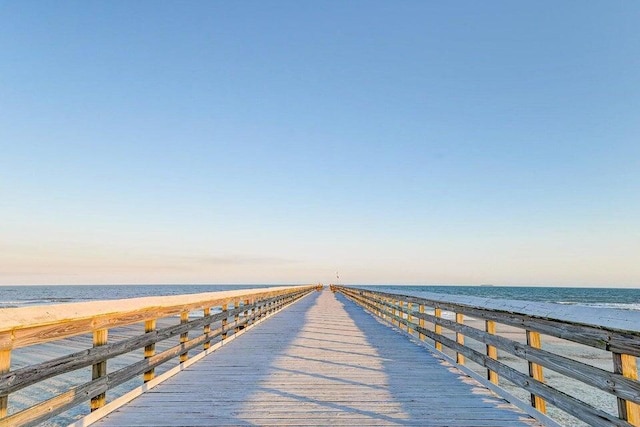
(624, 298)
(20, 296)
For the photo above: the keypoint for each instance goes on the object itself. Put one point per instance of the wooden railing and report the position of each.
(205, 321)
(614, 331)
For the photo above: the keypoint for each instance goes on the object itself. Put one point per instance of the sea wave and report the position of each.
(22, 303)
(621, 306)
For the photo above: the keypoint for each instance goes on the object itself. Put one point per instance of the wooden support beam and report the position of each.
(460, 338)
(236, 318)
(184, 337)
(535, 371)
(5, 366)
(149, 350)
(375, 308)
(421, 322)
(492, 352)
(409, 318)
(99, 370)
(246, 313)
(392, 312)
(253, 311)
(224, 323)
(438, 328)
(206, 328)
(627, 366)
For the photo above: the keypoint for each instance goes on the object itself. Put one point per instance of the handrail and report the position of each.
(27, 326)
(621, 339)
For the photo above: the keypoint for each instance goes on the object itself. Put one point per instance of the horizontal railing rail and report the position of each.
(28, 326)
(621, 340)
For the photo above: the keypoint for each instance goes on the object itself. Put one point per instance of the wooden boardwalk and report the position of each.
(321, 361)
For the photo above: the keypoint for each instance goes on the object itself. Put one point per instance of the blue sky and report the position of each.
(278, 142)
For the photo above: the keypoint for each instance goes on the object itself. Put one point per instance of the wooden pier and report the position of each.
(322, 361)
(295, 356)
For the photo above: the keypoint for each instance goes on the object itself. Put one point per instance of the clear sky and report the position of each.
(279, 142)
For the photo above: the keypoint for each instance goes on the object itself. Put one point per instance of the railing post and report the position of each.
(627, 366)
(492, 352)
(253, 310)
(246, 313)
(5, 366)
(184, 337)
(99, 370)
(410, 318)
(396, 312)
(149, 350)
(535, 371)
(421, 322)
(206, 329)
(459, 338)
(438, 328)
(236, 318)
(223, 324)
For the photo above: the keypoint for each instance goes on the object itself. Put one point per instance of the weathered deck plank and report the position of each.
(322, 361)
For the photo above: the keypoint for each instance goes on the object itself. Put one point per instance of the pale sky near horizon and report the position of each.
(401, 142)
